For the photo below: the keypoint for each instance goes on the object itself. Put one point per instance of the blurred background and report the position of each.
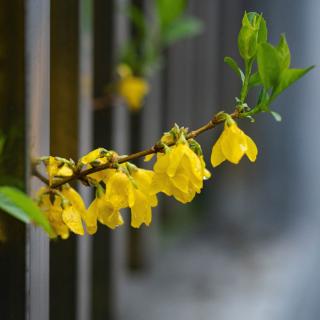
(247, 247)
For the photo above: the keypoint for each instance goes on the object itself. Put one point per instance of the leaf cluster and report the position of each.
(143, 52)
(273, 73)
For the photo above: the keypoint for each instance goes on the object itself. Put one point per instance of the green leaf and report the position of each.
(168, 11)
(263, 31)
(269, 65)
(284, 52)
(247, 42)
(137, 18)
(181, 28)
(234, 66)
(287, 78)
(276, 116)
(263, 100)
(19, 205)
(254, 80)
(252, 32)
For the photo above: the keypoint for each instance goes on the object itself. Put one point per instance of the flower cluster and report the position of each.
(179, 171)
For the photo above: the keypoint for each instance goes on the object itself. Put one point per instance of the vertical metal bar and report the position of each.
(84, 244)
(102, 290)
(37, 63)
(120, 130)
(64, 142)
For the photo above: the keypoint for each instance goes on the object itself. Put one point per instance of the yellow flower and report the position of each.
(56, 168)
(179, 172)
(131, 88)
(232, 144)
(62, 212)
(132, 190)
(98, 155)
(143, 199)
(101, 209)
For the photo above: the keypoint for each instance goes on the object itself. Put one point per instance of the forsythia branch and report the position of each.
(81, 175)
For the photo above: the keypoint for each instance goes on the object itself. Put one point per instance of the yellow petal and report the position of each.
(176, 156)
(74, 197)
(52, 168)
(73, 220)
(114, 220)
(161, 183)
(64, 171)
(252, 150)
(217, 157)
(180, 181)
(141, 211)
(182, 196)
(133, 90)
(162, 163)
(194, 164)
(148, 157)
(118, 188)
(92, 215)
(93, 155)
(108, 215)
(233, 143)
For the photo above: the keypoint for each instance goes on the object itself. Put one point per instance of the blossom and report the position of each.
(232, 144)
(57, 168)
(98, 155)
(143, 198)
(132, 88)
(131, 188)
(64, 211)
(102, 210)
(179, 172)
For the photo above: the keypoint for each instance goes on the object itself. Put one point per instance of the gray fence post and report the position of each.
(37, 64)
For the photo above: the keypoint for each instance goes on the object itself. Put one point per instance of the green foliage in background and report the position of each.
(143, 53)
(13, 201)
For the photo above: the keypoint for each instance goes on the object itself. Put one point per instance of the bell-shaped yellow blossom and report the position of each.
(101, 209)
(132, 190)
(232, 145)
(63, 212)
(179, 172)
(143, 199)
(98, 155)
(56, 168)
(131, 88)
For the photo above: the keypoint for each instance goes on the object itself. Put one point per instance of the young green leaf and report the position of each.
(287, 78)
(19, 205)
(269, 65)
(263, 31)
(263, 100)
(284, 52)
(276, 116)
(247, 42)
(234, 66)
(252, 32)
(254, 80)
